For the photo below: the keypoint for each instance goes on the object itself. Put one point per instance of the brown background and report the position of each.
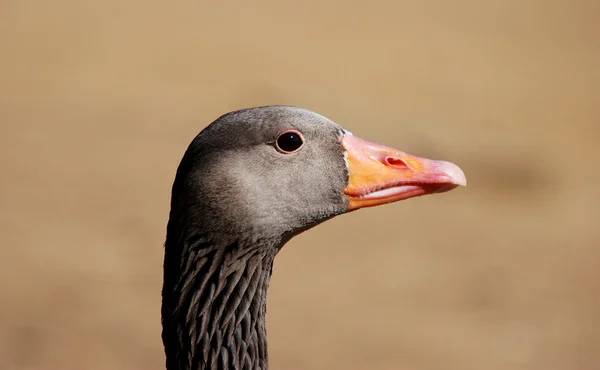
(99, 99)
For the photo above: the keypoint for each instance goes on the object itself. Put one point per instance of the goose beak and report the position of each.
(380, 175)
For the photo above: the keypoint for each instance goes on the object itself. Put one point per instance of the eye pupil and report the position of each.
(289, 141)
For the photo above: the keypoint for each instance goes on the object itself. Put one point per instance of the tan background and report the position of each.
(99, 99)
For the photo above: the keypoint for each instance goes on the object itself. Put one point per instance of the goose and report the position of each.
(248, 183)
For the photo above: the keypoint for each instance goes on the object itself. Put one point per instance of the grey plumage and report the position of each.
(235, 201)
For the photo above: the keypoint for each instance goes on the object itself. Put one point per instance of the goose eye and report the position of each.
(289, 141)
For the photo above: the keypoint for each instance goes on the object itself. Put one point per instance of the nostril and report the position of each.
(396, 162)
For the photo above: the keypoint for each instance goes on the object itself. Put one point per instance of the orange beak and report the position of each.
(380, 175)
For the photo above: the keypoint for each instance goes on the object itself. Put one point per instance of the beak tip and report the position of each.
(455, 173)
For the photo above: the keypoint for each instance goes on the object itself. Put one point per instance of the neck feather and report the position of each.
(214, 305)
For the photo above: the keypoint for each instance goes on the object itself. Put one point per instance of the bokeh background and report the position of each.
(99, 100)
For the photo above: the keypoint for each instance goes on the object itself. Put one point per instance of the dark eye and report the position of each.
(289, 141)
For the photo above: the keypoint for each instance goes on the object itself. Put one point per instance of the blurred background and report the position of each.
(99, 100)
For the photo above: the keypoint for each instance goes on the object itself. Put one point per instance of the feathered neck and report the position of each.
(214, 304)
